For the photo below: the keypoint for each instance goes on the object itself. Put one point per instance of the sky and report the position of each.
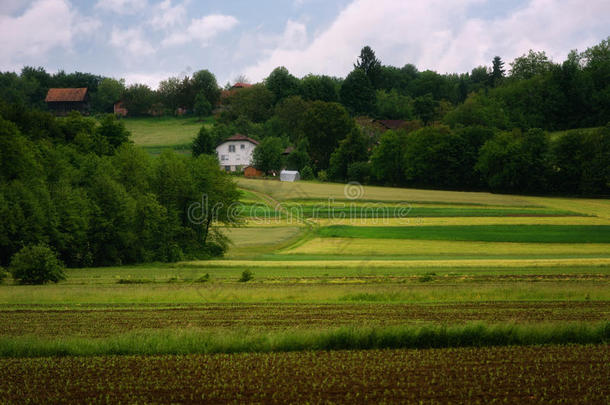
(146, 41)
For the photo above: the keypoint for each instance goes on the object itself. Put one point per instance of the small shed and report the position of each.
(289, 175)
(251, 171)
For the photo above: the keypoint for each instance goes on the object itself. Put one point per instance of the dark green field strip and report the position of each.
(481, 233)
(574, 374)
(111, 320)
(320, 201)
(383, 211)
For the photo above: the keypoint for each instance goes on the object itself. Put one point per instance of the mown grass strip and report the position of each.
(198, 342)
(481, 233)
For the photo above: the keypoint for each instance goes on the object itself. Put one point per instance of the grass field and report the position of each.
(158, 133)
(455, 268)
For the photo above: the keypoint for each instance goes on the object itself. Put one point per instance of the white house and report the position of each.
(235, 152)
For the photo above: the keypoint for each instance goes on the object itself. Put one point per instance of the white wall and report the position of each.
(241, 156)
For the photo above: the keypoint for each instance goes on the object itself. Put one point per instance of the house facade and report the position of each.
(235, 153)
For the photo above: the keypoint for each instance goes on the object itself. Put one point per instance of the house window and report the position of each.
(231, 148)
(242, 146)
(227, 168)
(223, 157)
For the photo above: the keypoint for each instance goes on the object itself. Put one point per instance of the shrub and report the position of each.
(246, 276)
(37, 264)
(322, 176)
(3, 274)
(307, 173)
(359, 171)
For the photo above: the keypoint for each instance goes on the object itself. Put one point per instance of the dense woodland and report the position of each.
(76, 183)
(78, 186)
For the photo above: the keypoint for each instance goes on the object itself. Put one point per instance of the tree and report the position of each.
(530, 65)
(298, 158)
(37, 264)
(282, 84)
(170, 93)
(113, 131)
(205, 143)
(357, 93)
(434, 157)
(108, 92)
(479, 110)
(425, 108)
(290, 114)
(324, 125)
(515, 162)
(368, 62)
(352, 149)
(497, 71)
(387, 160)
(202, 106)
(205, 87)
(255, 103)
(139, 99)
(393, 105)
(267, 156)
(322, 88)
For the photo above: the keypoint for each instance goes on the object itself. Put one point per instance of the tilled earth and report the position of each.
(100, 321)
(517, 375)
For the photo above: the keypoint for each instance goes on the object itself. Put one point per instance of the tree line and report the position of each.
(77, 185)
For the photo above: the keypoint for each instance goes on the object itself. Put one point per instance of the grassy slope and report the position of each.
(158, 133)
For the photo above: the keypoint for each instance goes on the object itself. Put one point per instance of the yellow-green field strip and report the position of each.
(403, 263)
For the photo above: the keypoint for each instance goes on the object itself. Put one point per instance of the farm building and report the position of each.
(235, 152)
(119, 109)
(251, 171)
(62, 101)
(289, 175)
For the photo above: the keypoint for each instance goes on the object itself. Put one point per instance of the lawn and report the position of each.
(158, 133)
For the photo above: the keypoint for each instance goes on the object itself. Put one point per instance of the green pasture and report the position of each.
(158, 133)
(483, 233)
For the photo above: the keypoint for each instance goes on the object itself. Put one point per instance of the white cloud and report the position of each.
(439, 35)
(202, 30)
(150, 79)
(122, 6)
(166, 16)
(44, 26)
(131, 41)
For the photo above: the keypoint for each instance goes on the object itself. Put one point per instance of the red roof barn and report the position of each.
(62, 101)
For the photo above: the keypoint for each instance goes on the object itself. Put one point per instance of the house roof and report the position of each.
(392, 124)
(241, 85)
(240, 137)
(288, 150)
(70, 94)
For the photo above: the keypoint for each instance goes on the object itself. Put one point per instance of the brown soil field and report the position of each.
(108, 320)
(516, 375)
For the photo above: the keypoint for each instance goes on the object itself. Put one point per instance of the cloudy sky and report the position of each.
(149, 40)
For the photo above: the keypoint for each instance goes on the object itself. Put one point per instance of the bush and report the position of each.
(322, 176)
(246, 276)
(359, 171)
(307, 173)
(37, 264)
(3, 274)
